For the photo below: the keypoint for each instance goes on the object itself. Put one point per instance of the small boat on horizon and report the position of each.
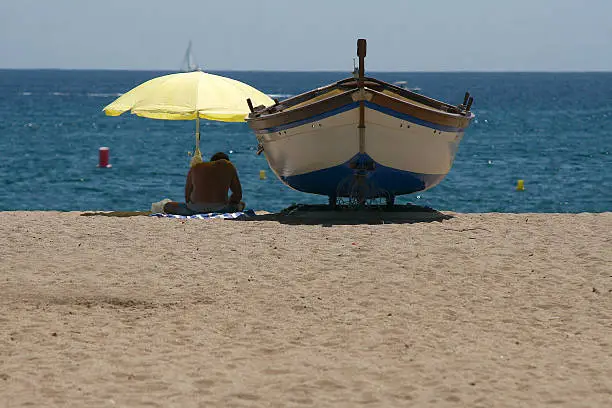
(360, 138)
(404, 85)
(189, 62)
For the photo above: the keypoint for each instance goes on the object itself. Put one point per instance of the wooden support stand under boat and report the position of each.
(360, 138)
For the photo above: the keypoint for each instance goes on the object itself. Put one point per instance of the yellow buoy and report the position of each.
(520, 185)
(262, 174)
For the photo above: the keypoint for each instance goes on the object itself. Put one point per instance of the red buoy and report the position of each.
(104, 156)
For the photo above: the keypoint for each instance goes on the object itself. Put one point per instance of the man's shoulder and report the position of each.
(217, 164)
(202, 165)
(224, 163)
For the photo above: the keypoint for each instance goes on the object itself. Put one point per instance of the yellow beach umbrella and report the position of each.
(189, 96)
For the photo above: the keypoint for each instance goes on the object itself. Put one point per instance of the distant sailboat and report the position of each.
(404, 85)
(189, 62)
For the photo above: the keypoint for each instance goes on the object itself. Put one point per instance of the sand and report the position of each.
(476, 310)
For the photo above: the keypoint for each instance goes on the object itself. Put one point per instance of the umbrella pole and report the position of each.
(197, 133)
(197, 155)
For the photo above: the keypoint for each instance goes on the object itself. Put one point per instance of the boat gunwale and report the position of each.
(438, 105)
(401, 106)
(280, 106)
(283, 117)
(270, 117)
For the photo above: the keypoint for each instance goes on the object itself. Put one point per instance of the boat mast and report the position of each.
(189, 60)
(361, 53)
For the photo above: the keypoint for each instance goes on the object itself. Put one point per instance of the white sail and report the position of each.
(189, 61)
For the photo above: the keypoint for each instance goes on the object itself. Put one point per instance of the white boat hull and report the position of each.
(360, 138)
(400, 154)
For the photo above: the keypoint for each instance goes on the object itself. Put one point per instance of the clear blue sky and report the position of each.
(403, 35)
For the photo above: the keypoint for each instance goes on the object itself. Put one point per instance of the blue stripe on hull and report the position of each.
(311, 119)
(370, 105)
(412, 119)
(344, 181)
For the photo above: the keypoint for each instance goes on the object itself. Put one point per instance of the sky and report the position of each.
(308, 35)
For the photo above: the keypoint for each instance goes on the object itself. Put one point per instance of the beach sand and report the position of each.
(476, 310)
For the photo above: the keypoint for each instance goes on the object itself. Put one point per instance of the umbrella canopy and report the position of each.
(189, 96)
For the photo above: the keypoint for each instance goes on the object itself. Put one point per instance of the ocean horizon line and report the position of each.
(323, 71)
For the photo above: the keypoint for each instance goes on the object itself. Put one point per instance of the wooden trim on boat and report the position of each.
(292, 102)
(381, 93)
(273, 119)
(349, 84)
(381, 86)
(267, 120)
(427, 114)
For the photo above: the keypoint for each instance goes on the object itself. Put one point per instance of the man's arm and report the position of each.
(236, 189)
(188, 185)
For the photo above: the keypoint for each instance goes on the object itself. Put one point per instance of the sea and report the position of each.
(551, 130)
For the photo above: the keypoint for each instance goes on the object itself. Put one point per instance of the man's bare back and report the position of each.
(207, 186)
(210, 182)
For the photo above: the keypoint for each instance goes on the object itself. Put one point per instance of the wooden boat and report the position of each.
(360, 138)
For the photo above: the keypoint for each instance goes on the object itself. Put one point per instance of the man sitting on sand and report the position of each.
(207, 186)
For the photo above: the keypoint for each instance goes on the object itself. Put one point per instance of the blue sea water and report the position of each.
(553, 130)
